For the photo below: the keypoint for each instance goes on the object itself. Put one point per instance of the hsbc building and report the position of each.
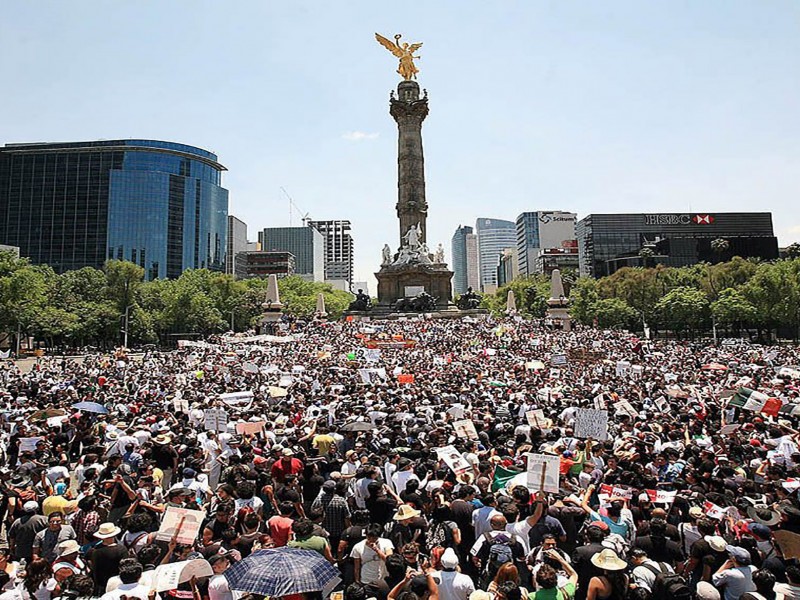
(608, 242)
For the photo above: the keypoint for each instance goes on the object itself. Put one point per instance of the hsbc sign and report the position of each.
(680, 219)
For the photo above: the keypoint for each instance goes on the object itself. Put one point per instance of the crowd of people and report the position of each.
(330, 439)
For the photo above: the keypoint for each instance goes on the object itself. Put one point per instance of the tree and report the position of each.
(774, 290)
(300, 297)
(123, 281)
(531, 294)
(720, 246)
(733, 309)
(682, 308)
(793, 250)
(647, 254)
(582, 298)
(640, 288)
(614, 313)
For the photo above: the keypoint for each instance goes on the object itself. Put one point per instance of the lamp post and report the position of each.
(125, 331)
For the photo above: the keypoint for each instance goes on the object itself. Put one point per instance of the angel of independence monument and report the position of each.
(413, 277)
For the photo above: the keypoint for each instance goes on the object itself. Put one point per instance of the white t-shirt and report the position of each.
(218, 588)
(373, 569)
(129, 590)
(454, 585)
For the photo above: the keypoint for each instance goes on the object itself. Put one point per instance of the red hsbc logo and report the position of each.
(703, 219)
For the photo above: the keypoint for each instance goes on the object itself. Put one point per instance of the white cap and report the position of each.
(449, 559)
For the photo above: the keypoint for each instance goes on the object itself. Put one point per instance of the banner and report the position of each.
(216, 419)
(543, 473)
(186, 523)
(592, 423)
(465, 429)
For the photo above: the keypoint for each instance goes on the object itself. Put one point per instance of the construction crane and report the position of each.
(304, 218)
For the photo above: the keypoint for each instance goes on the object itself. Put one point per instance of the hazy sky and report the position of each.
(588, 106)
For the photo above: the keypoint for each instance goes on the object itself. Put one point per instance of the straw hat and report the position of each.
(405, 511)
(608, 560)
(716, 542)
(68, 547)
(162, 439)
(107, 530)
(764, 515)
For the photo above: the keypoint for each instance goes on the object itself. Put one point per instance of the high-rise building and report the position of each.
(306, 244)
(338, 250)
(235, 260)
(464, 253)
(609, 242)
(507, 268)
(542, 230)
(494, 236)
(77, 204)
(263, 264)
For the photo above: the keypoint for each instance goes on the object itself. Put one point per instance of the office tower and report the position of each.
(494, 236)
(306, 244)
(609, 242)
(236, 261)
(77, 204)
(464, 253)
(338, 250)
(543, 231)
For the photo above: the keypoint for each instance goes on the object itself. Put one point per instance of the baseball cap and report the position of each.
(449, 559)
(739, 554)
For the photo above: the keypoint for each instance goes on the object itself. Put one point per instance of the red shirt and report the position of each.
(280, 528)
(282, 468)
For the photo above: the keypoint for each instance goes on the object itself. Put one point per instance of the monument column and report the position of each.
(409, 111)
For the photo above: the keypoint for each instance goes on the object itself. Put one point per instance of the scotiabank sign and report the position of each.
(684, 219)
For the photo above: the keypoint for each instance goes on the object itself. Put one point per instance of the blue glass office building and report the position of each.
(72, 205)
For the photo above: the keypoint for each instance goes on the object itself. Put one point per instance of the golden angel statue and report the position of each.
(405, 52)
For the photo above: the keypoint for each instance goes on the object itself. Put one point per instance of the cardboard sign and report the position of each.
(592, 423)
(465, 429)
(624, 407)
(186, 523)
(543, 473)
(536, 418)
(788, 542)
(170, 576)
(251, 428)
(216, 419)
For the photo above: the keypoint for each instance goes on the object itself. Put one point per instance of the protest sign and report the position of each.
(250, 367)
(624, 407)
(558, 360)
(789, 543)
(661, 496)
(791, 484)
(713, 510)
(729, 429)
(543, 473)
(623, 366)
(405, 378)
(28, 444)
(534, 365)
(592, 423)
(56, 421)
(237, 398)
(614, 491)
(456, 411)
(250, 428)
(216, 419)
(535, 418)
(180, 404)
(465, 429)
(599, 402)
(453, 459)
(186, 523)
(555, 373)
(167, 577)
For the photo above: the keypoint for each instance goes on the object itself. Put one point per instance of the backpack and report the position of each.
(499, 551)
(669, 586)
(440, 534)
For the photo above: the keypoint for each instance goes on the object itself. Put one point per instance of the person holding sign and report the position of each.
(618, 517)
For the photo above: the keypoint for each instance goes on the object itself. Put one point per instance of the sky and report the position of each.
(585, 106)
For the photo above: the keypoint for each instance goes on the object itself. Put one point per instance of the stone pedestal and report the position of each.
(273, 307)
(395, 281)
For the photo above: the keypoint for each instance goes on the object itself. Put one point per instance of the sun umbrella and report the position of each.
(44, 414)
(92, 407)
(358, 426)
(282, 571)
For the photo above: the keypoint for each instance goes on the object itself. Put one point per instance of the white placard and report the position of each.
(453, 459)
(592, 423)
(543, 473)
(729, 429)
(536, 418)
(625, 408)
(465, 429)
(236, 398)
(183, 521)
(250, 367)
(28, 444)
(558, 360)
(216, 419)
(167, 577)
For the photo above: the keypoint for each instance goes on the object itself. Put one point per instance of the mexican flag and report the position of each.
(756, 401)
(501, 477)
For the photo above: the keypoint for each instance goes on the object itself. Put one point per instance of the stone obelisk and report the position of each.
(409, 111)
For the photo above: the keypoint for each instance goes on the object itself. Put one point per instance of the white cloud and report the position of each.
(357, 136)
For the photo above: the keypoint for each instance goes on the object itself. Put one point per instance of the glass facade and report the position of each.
(494, 236)
(609, 242)
(306, 244)
(157, 204)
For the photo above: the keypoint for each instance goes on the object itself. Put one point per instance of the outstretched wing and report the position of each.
(414, 47)
(391, 47)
